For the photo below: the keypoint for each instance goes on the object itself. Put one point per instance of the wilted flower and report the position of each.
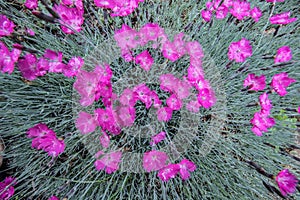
(287, 182)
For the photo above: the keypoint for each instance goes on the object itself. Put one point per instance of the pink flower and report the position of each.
(255, 83)
(38, 130)
(73, 66)
(193, 106)
(85, 84)
(126, 38)
(206, 15)
(8, 59)
(206, 97)
(51, 144)
(195, 73)
(109, 161)
(28, 67)
(169, 51)
(256, 14)
(30, 32)
(149, 32)
(240, 50)
(104, 140)
(55, 61)
(168, 82)
(7, 189)
(6, 26)
(154, 160)
(86, 122)
(261, 122)
(168, 172)
(174, 102)
(221, 11)
(287, 182)
(128, 98)
(299, 109)
(164, 114)
(107, 120)
(280, 82)
(31, 4)
(53, 198)
(145, 60)
(186, 167)
(126, 115)
(157, 138)
(182, 90)
(282, 18)
(240, 9)
(284, 54)
(70, 18)
(143, 93)
(200, 83)
(265, 104)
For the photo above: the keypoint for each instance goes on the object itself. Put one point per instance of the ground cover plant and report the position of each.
(140, 99)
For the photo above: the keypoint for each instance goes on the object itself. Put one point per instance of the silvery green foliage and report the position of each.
(221, 171)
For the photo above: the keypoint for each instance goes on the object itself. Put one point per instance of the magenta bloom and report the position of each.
(240, 50)
(193, 106)
(85, 85)
(38, 130)
(120, 7)
(6, 26)
(186, 167)
(256, 14)
(126, 115)
(128, 98)
(206, 15)
(86, 122)
(53, 198)
(282, 18)
(280, 82)
(169, 51)
(143, 93)
(107, 119)
(154, 160)
(240, 9)
(145, 60)
(109, 161)
(8, 59)
(28, 67)
(195, 73)
(55, 61)
(31, 4)
(221, 11)
(168, 82)
(287, 182)
(168, 172)
(104, 140)
(299, 109)
(5, 191)
(164, 114)
(265, 104)
(70, 18)
(174, 102)
(126, 39)
(45, 139)
(284, 54)
(157, 138)
(182, 90)
(255, 83)
(206, 97)
(73, 67)
(261, 122)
